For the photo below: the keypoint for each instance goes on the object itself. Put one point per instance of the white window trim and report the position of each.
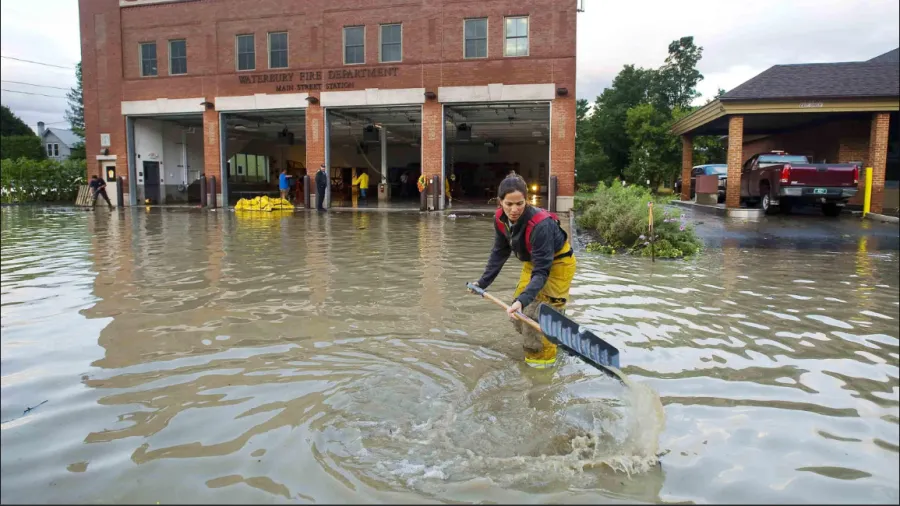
(141, 58)
(237, 56)
(55, 150)
(344, 44)
(170, 57)
(381, 44)
(287, 49)
(527, 37)
(487, 39)
(50, 149)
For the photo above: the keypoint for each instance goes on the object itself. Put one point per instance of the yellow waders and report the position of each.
(539, 352)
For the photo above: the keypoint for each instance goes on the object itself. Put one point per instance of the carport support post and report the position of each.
(687, 163)
(878, 150)
(735, 157)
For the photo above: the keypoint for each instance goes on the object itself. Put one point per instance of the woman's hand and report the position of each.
(474, 283)
(516, 307)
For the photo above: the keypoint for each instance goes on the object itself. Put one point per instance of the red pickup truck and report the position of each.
(780, 179)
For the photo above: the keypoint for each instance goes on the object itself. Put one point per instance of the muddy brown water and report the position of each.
(227, 357)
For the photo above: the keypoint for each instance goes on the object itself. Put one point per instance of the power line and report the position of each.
(37, 63)
(38, 85)
(29, 93)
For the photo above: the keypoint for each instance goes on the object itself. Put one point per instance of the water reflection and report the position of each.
(329, 357)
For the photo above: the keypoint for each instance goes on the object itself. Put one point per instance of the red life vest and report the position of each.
(536, 218)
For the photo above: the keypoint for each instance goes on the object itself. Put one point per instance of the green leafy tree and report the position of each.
(21, 146)
(655, 152)
(10, 124)
(675, 83)
(75, 113)
(78, 152)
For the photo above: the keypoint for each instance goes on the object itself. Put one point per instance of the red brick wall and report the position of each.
(735, 160)
(211, 154)
(432, 54)
(687, 163)
(315, 137)
(431, 138)
(562, 144)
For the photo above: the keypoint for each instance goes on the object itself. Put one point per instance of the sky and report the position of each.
(739, 39)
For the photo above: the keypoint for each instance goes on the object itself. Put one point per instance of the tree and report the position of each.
(655, 152)
(10, 124)
(675, 83)
(78, 152)
(75, 113)
(13, 147)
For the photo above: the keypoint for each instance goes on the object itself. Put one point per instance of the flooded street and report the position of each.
(189, 356)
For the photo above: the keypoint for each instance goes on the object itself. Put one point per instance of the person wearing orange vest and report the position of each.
(548, 263)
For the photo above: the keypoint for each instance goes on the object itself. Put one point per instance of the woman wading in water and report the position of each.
(548, 263)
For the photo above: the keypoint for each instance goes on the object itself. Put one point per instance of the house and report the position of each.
(57, 142)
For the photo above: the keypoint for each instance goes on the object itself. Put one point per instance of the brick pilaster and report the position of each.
(432, 143)
(562, 144)
(687, 163)
(315, 137)
(878, 150)
(212, 165)
(735, 157)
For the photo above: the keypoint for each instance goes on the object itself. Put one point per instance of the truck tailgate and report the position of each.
(822, 175)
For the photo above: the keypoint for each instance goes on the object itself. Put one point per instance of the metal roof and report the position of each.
(67, 137)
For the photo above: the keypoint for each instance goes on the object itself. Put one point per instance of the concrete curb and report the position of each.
(740, 213)
(882, 218)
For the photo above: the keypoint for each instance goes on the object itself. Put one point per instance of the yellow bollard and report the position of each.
(867, 202)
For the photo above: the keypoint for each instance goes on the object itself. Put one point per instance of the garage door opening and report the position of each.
(382, 142)
(257, 146)
(168, 158)
(485, 142)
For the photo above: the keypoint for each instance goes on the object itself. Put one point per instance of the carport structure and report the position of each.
(831, 112)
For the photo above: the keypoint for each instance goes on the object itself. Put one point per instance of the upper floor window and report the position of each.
(354, 44)
(516, 36)
(278, 50)
(391, 43)
(148, 59)
(246, 52)
(476, 38)
(52, 149)
(177, 57)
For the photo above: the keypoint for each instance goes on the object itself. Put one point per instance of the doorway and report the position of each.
(151, 182)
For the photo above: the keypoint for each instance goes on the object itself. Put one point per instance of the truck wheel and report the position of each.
(831, 210)
(765, 200)
(786, 205)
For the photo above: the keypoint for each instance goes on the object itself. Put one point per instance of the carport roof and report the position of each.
(786, 95)
(821, 80)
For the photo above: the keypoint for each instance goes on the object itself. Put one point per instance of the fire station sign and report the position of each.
(337, 79)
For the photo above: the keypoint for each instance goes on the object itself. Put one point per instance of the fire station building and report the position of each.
(237, 90)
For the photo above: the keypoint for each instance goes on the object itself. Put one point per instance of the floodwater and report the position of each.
(187, 356)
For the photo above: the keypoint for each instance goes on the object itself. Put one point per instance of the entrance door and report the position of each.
(151, 182)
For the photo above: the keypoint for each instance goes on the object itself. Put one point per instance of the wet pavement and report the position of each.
(193, 356)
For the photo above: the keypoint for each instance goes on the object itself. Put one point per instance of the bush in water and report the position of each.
(25, 180)
(618, 215)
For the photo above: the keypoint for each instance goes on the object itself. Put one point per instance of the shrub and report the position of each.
(19, 146)
(25, 180)
(618, 216)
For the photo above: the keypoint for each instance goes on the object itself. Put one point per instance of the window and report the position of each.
(476, 38)
(516, 36)
(278, 50)
(148, 59)
(391, 43)
(354, 45)
(49, 149)
(177, 57)
(248, 167)
(246, 53)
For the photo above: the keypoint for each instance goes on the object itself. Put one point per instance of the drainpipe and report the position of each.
(184, 159)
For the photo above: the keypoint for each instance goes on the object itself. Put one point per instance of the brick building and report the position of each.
(831, 112)
(176, 89)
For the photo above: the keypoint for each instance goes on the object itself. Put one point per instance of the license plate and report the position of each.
(820, 191)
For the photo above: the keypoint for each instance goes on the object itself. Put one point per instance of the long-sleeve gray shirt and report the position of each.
(546, 239)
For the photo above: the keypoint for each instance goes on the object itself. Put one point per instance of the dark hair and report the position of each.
(512, 183)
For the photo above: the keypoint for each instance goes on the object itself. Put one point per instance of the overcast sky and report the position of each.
(739, 40)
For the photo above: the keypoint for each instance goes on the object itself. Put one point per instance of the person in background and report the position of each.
(284, 183)
(98, 188)
(363, 181)
(404, 184)
(321, 186)
(548, 263)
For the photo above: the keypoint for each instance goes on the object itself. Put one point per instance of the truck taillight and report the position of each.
(856, 175)
(786, 173)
